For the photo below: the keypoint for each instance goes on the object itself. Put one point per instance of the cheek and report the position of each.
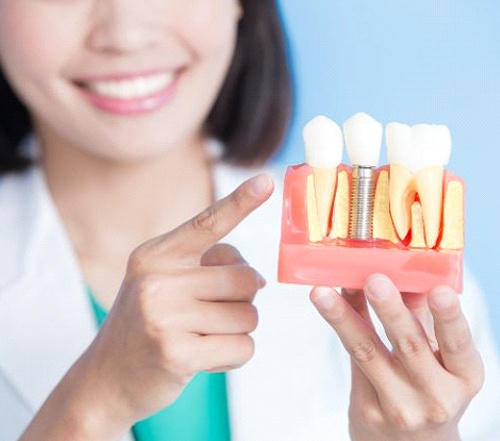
(210, 28)
(31, 47)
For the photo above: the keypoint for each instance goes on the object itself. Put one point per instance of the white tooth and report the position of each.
(124, 90)
(134, 88)
(417, 156)
(323, 147)
(363, 137)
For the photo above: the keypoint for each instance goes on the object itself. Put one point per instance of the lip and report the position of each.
(132, 106)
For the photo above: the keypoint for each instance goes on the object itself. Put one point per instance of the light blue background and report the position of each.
(434, 61)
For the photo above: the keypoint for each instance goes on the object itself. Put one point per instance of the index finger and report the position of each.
(205, 229)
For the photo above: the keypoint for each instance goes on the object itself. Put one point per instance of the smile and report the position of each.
(130, 95)
(139, 87)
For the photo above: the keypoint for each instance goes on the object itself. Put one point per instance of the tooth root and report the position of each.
(340, 215)
(453, 217)
(401, 197)
(429, 183)
(417, 226)
(324, 184)
(382, 222)
(312, 212)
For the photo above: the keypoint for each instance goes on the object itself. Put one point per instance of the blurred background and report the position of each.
(411, 61)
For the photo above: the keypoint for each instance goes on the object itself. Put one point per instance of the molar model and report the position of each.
(406, 219)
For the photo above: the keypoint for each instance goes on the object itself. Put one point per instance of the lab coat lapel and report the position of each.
(45, 318)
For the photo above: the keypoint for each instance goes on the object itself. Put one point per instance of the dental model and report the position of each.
(405, 219)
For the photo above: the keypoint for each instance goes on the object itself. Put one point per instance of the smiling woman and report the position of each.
(122, 316)
(169, 65)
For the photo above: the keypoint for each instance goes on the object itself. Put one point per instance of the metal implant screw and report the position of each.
(361, 203)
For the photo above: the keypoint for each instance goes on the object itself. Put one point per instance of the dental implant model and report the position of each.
(405, 219)
(363, 136)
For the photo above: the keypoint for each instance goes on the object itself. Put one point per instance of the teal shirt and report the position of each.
(199, 414)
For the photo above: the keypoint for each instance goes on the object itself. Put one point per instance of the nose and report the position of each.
(122, 26)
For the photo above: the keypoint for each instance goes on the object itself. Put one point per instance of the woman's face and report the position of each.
(123, 79)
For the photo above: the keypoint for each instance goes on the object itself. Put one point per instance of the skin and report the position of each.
(172, 282)
(419, 390)
(97, 165)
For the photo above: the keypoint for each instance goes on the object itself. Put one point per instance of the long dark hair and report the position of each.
(250, 116)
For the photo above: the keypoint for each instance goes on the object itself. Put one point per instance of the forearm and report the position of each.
(77, 409)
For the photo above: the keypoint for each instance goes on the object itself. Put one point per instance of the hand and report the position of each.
(418, 390)
(185, 306)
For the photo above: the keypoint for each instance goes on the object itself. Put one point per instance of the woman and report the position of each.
(125, 99)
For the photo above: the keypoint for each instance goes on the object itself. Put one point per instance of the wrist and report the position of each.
(79, 408)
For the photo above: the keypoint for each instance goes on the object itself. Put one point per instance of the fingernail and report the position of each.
(324, 299)
(443, 297)
(260, 185)
(378, 288)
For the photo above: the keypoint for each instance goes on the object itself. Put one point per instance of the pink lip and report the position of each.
(133, 106)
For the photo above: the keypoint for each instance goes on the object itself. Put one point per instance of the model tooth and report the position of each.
(323, 147)
(363, 138)
(417, 155)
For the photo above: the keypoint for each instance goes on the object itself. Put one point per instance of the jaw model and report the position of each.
(418, 218)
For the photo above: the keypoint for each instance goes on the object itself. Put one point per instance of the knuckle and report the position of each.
(402, 420)
(173, 359)
(246, 349)
(251, 318)
(369, 415)
(136, 264)
(207, 220)
(408, 346)
(145, 287)
(249, 276)
(456, 344)
(475, 382)
(363, 351)
(438, 414)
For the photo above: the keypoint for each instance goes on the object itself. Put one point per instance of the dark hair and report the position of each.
(250, 116)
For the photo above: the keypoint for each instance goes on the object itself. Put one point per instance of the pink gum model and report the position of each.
(348, 263)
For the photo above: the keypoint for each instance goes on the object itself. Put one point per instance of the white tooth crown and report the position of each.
(139, 87)
(323, 143)
(418, 147)
(363, 137)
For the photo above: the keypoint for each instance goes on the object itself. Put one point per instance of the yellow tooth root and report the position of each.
(340, 216)
(324, 185)
(453, 217)
(401, 196)
(417, 226)
(312, 212)
(382, 222)
(429, 182)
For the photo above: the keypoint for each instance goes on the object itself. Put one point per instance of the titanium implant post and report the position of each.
(361, 203)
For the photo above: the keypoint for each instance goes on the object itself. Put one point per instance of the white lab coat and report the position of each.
(295, 388)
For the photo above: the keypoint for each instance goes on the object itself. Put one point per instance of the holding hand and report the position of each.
(420, 389)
